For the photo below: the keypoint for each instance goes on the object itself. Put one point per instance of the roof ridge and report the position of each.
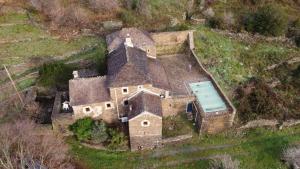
(89, 78)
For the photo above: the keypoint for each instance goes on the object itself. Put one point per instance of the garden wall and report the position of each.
(170, 42)
(175, 105)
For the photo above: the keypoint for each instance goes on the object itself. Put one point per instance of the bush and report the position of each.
(257, 100)
(215, 22)
(103, 6)
(297, 40)
(117, 139)
(128, 17)
(99, 133)
(294, 31)
(267, 20)
(82, 129)
(88, 130)
(55, 74)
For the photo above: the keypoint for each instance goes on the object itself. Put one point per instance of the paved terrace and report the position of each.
(179, 73)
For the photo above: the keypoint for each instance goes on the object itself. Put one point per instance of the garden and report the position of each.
(98, 134)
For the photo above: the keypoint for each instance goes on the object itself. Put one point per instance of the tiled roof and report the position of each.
(88, 90)
(139, 38)
(158, 74)
(127, 66)
(145, 102)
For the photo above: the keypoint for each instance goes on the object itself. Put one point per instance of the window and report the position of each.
(125, 90)
(148, 50)
(125, 102)
(108, 105)
(145, 123)
(87, 110)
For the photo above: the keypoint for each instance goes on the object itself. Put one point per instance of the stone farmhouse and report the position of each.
(151, 76)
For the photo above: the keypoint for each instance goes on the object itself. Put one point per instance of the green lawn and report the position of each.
(232, 61)
(176, 125)
(256, 148)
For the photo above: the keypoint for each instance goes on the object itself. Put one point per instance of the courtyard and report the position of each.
(181, 69)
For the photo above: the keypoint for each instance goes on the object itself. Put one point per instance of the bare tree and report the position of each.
(21, 146)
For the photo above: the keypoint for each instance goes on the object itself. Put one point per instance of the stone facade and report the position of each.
(118, 96)
(145, 136)
(175, 105)
(97, 111)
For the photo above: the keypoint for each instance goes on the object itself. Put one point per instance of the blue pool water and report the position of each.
(208, 97)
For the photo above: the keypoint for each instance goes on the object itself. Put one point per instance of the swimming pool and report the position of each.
(208, 97)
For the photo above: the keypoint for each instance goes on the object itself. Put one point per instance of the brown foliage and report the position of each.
(103, 6)
(22, 146)
(257, 100)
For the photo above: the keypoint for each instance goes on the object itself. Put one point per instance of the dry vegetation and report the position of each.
(22, 146)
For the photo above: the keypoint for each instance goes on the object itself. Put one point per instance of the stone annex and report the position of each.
(150, 76)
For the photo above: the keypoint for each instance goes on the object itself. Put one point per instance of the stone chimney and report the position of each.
(128, 41)
(75, 74)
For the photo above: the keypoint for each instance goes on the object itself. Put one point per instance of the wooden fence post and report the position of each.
(14, 85)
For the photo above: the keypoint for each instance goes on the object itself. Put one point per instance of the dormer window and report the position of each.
(125, 90)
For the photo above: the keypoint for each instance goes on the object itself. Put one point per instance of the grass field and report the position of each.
(256, 148)
(233, 62)
(33, 42)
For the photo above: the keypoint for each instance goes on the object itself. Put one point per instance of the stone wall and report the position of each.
(175, 105)
(145, 136)
(170, 42)
(215, 124)
(107, 115)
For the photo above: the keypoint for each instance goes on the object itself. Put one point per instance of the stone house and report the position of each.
(139, 87)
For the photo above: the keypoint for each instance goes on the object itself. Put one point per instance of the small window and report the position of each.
(125, 90)
(125, 102)
(145, 123)
(148, 50)
(87, 109)
(108, 105)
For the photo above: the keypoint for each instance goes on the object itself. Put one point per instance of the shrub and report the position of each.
(117, 139)
(88, 130)
(179, 27)
(215, 22)
(267, 20)
(297, 40)
(104, 5)
(99, 132)
(128, 17)
(54, 74)
(257, 100)
(82, 129)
